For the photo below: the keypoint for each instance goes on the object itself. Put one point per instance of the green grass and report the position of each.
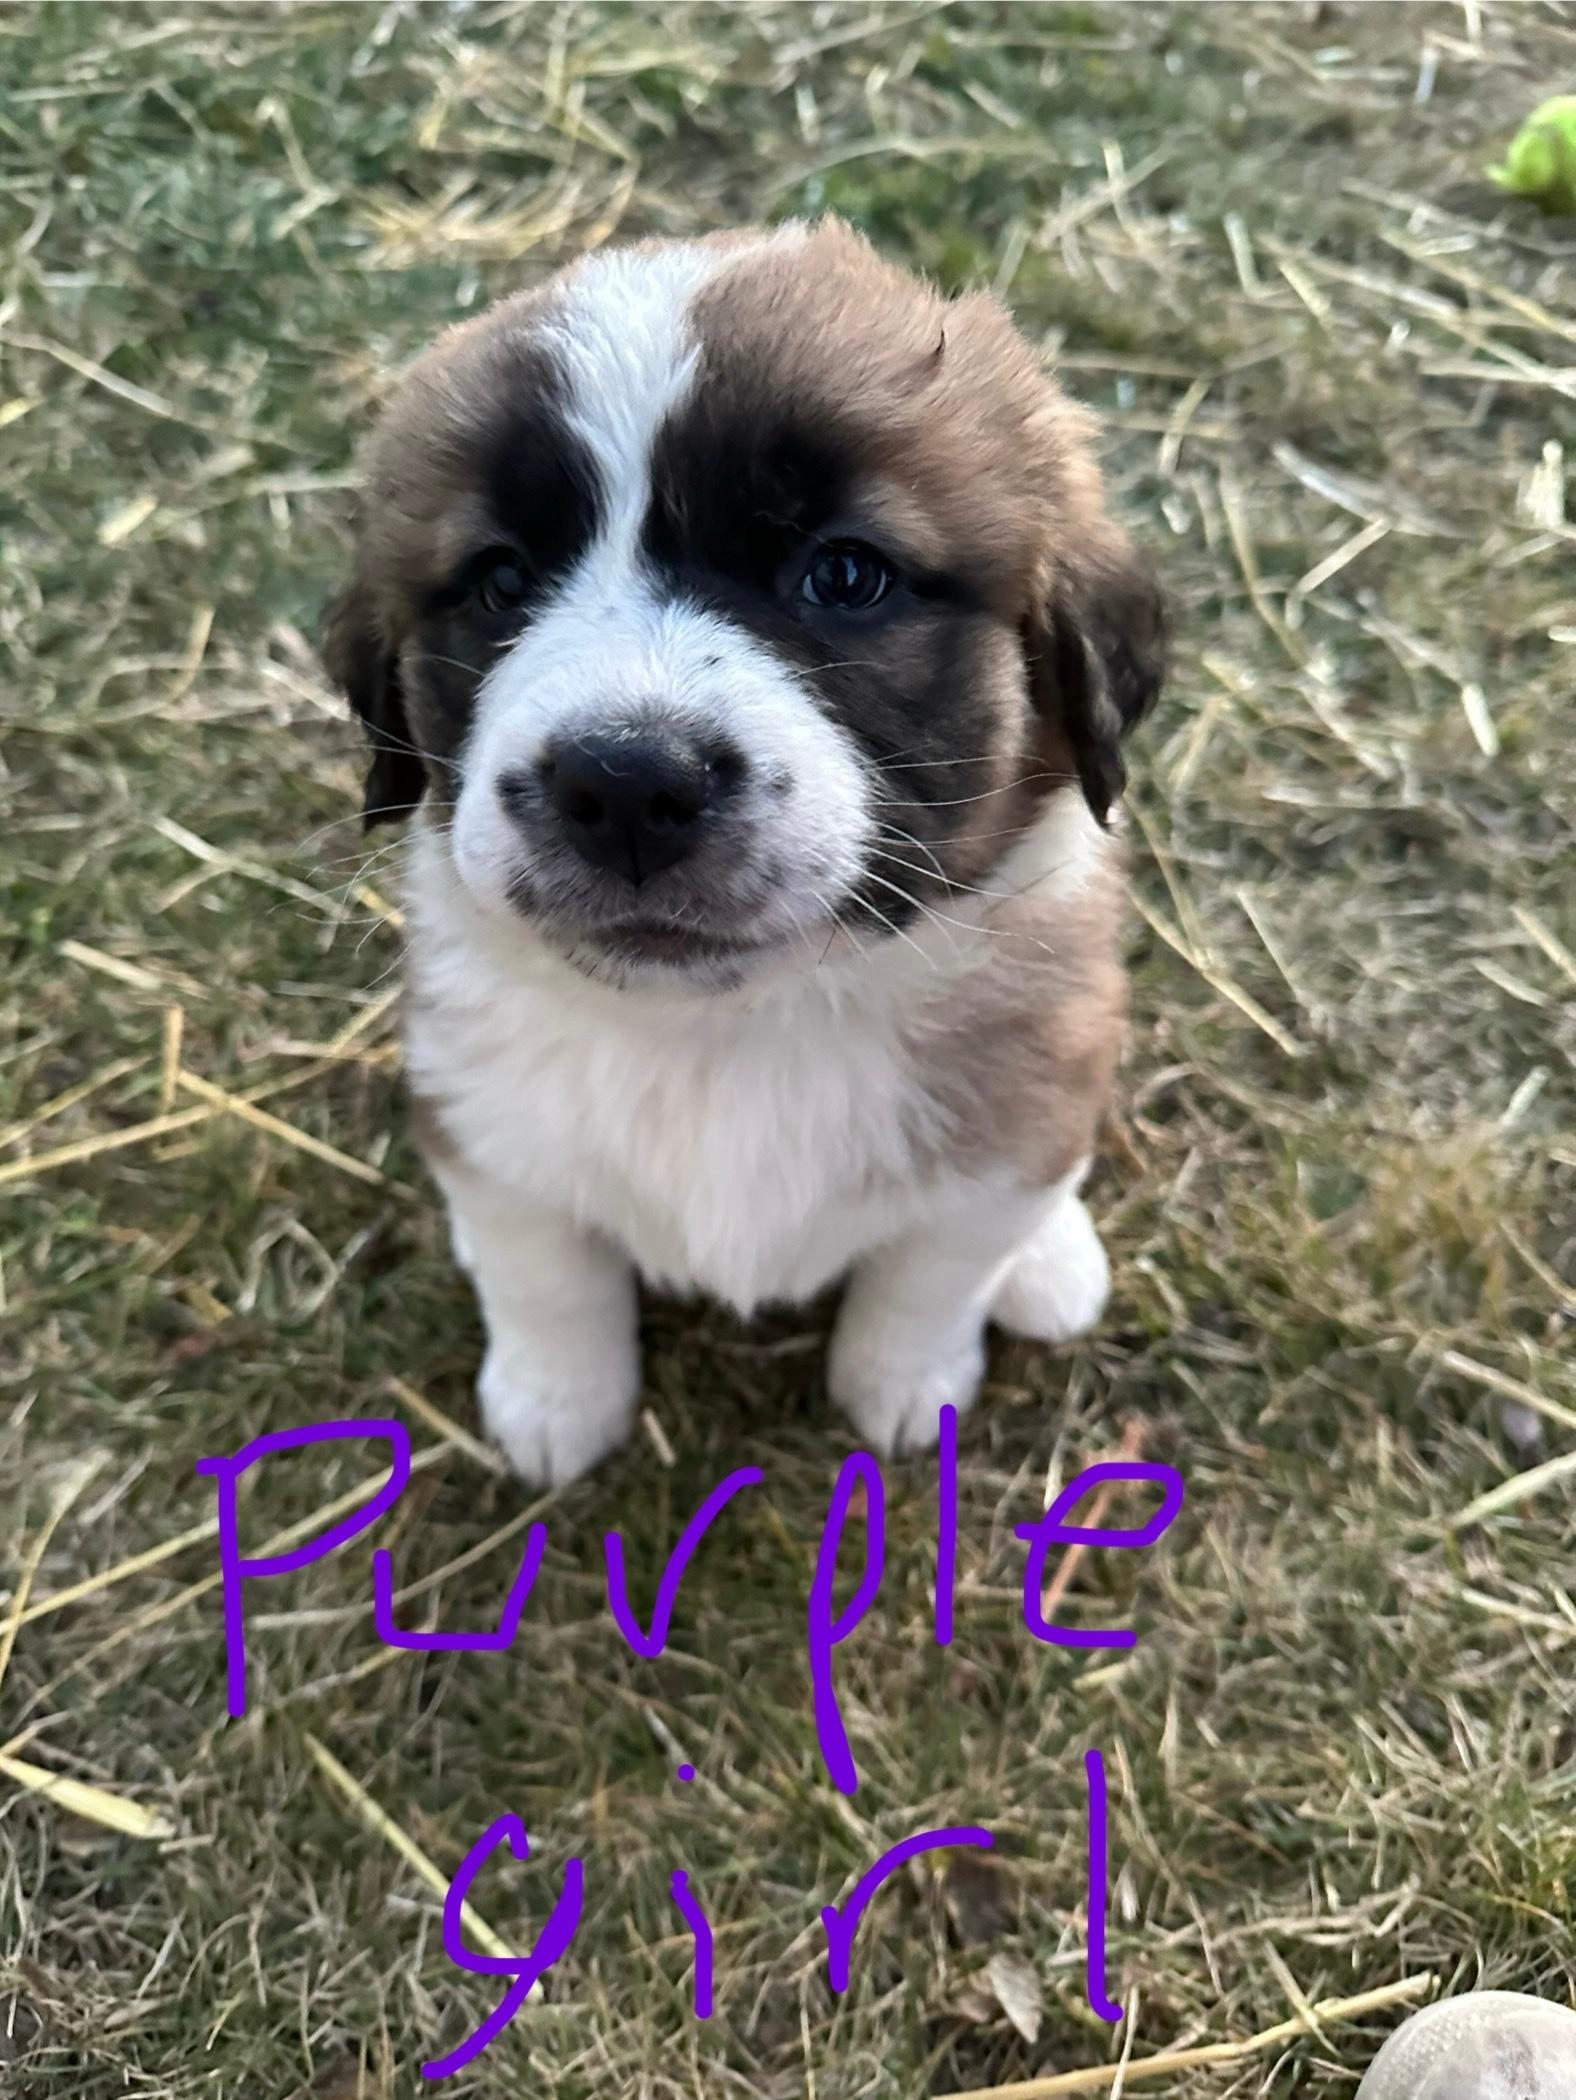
(1344, 1749)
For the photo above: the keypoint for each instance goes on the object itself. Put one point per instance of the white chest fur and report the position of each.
(755, 1144)
(748, 1144)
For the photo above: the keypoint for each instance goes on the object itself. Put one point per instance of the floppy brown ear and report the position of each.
(1097, 659)
(365, 666)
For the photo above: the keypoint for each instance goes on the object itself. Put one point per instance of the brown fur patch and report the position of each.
(1021, 1059)
(967, 452)
(944, 396)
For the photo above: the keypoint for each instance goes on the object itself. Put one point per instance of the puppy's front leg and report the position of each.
(910, 1338)
(558, 1383)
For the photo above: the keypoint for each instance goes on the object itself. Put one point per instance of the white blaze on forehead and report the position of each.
(621, 333)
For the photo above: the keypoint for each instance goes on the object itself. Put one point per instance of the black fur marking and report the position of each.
(541, 483)
(739, 504)
(1099, 663)
(543, 496)
(363, 664)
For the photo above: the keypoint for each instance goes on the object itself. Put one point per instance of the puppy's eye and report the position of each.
(846, 576)
(502, 585)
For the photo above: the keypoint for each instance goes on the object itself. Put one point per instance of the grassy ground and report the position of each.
(1337, 369)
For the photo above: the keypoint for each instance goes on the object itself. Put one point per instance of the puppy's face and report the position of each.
(728, 593)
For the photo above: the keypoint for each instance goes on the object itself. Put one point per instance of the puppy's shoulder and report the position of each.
(1021, 1057)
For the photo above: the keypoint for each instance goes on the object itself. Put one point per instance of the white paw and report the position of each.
(555, 1412)
(893, 1391)
(1059, 1280)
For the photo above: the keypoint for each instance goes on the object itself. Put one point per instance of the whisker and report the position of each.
(996, 933)
(986, 794)
(387, 739)
(431, 656)
(361, 861)
(890, 925)
(899, 763)
(838, 926)
(1044, 875)
(898, 836)
(299, 849)
(954, 886)
(929, 911)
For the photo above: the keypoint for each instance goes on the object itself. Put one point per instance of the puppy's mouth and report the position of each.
(630, 950)
(715, 941)
(652, 942)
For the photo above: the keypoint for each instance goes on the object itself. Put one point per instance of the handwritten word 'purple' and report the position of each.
(236, 1567)
(861, 1524)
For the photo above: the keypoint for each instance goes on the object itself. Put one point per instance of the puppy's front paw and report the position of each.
(556, 1412)
(1059, 1281)
(893, 1388)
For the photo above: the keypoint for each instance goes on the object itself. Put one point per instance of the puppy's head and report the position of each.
(727, 592)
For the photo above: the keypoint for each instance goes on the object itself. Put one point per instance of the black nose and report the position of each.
(635, 801)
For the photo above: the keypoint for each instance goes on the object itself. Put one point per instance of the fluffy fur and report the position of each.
(847, 1001)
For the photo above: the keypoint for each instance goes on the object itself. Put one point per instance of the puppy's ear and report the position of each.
(1097, 658)
(364, 664)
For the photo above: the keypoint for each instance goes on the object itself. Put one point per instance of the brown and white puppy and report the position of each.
(747, 622)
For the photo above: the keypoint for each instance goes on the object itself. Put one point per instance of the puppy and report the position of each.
(743, 625)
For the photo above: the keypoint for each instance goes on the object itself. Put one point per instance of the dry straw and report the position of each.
(1101, 2078)
(377, 1819)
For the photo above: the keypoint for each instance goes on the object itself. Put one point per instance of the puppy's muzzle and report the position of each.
(630, 802)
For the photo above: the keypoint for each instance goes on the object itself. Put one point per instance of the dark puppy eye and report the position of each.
(846, 576)
(502, 584)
